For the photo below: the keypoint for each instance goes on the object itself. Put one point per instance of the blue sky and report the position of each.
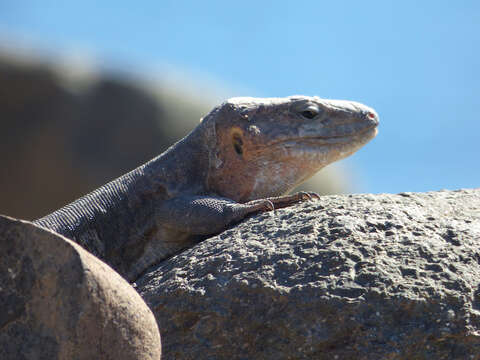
(417, 63)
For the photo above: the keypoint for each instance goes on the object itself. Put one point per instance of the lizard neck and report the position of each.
(183, 168)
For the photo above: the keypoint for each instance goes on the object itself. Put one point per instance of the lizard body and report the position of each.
(243, 157)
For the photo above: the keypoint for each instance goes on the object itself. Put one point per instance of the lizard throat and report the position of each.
(288, 163)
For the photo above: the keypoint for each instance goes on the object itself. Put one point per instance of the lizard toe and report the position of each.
(268, 206)
(314, 195)
(307, 195)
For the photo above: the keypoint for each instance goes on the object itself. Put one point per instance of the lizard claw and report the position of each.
(310, 195)
(268, 206)
(314, 195)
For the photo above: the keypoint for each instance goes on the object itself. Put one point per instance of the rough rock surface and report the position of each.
(345, 277)
(59, 302)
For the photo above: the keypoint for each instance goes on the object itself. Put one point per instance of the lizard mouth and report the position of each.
(362, 136)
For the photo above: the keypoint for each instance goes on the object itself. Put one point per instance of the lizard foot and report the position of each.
(288, 200)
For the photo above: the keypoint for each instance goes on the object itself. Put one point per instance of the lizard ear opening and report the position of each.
(237, 142)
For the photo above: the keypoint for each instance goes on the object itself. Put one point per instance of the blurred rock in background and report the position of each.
(64, 132)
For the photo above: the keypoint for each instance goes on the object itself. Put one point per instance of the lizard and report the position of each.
(244, 157)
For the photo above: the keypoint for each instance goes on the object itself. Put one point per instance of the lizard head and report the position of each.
(266, 147)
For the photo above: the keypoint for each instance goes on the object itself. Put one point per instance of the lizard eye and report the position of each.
(310, 112)
(237, 143)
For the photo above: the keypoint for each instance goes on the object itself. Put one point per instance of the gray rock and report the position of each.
(59, 302)
(345, 277)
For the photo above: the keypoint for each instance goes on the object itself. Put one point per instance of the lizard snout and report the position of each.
(371, 117)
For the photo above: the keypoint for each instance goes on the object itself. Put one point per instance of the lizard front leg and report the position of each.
(205, 215)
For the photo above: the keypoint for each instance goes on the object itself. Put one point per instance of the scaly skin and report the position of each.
(243, 157)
